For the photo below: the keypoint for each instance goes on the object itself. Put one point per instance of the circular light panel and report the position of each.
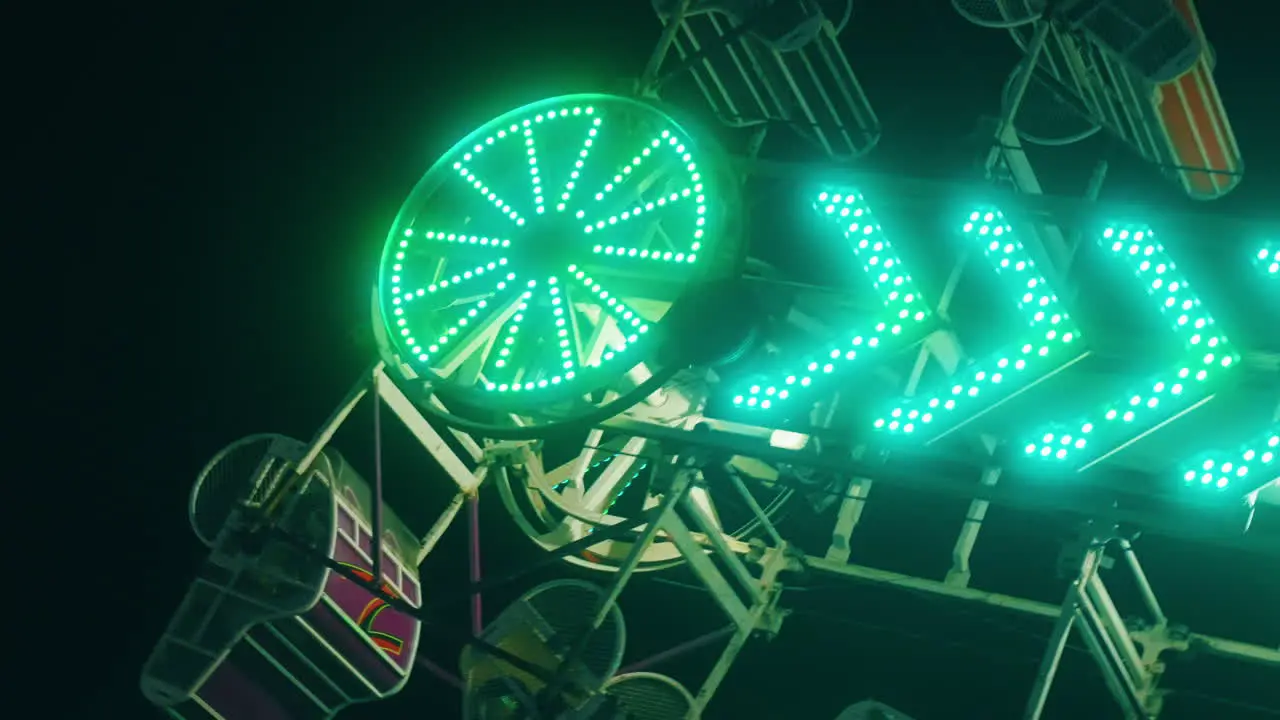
(535, 258)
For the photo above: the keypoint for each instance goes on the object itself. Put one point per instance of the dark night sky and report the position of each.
(240, 168)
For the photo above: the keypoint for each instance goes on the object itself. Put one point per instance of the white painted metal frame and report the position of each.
(750, 598)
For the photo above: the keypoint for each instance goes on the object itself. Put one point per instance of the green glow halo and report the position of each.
(535, 259)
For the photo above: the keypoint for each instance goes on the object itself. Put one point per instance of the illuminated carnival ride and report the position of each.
(655, 323)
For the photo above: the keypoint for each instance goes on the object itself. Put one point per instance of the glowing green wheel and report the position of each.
(533, 264)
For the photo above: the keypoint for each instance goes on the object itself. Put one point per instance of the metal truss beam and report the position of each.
(1100, 506)
(860, 573)
(745, 581)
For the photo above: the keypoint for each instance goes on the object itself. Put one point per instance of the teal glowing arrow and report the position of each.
(1239, 470)
(1168, 395)
(903, 306)
(1049, 343)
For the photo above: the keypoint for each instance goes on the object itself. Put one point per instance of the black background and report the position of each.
(236, 167)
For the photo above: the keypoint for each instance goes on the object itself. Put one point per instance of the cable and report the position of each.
(1071, 139)
(994, 24)
(442, 630)
(771, 509)
(848, 14)
(981, 650)
(700, 588)
(1263, 710)
(533, 432)
(850, 622)
(955, 608)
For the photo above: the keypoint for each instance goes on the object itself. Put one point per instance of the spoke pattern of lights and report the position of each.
(510, 337)
(479, 184)
(461, 238)
(408, 295)
(1051, 340)
(564, 346)
(451, 334)
(630, 324)
(1267, 260)
(637, 210)
(532, 151)
(644, 165)
(645, 254)
(1242, 469)
(576, 173)
(1208, 355)
(891, 282)
(695, 191)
